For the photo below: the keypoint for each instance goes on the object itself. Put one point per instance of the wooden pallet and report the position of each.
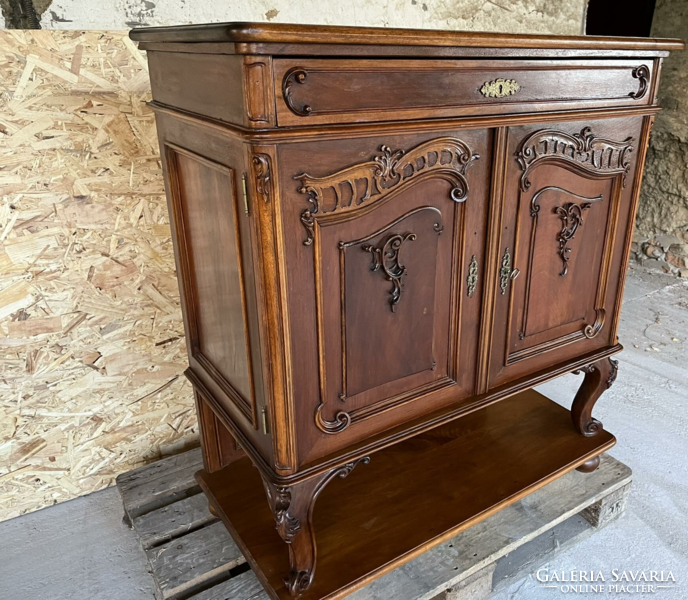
(192, 557)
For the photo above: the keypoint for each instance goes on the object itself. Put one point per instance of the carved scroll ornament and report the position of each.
(571, 215)
(262, 175)
(389, 171)
(297, 75)
(386, 257)
(583, 149)
(642, 74)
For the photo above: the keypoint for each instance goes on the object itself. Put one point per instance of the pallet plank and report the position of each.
(153, 486)
(131, 479)
(173, 521)
(194, 560)
(244, 587)
(532, 555)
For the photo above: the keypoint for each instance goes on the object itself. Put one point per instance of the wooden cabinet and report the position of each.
(385, 239)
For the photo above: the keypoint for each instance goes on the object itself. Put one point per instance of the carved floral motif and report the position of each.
(389, 171)
(613, 372)
(583, 149)
(279, 499)
(386, 257)
(571, 215)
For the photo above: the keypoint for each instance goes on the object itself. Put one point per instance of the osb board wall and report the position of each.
(91, 338)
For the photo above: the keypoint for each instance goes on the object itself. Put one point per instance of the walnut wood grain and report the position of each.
(318, 91)
(371, 36)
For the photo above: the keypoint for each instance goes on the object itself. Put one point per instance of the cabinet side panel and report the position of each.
(205, 84)
(204, 203)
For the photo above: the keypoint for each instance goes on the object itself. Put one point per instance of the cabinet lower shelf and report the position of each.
(411, 497)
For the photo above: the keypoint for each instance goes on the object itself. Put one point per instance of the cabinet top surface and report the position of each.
(239, 32)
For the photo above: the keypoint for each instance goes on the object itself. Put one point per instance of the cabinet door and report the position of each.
(565, 224)
(384, 267)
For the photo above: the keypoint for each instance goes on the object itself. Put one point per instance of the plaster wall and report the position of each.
(518, 16)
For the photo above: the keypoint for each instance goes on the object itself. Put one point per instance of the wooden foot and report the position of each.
(590, 465)
(292, 507)
(599, 377)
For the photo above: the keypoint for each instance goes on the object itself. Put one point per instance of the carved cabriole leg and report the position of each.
(292, 507)
(599, 377)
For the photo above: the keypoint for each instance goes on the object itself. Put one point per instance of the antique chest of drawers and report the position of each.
(384, 240)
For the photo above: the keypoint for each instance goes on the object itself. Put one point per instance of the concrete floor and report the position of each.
(80, 550)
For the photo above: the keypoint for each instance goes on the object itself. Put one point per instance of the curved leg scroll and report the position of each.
(292, 507)
(599, 377)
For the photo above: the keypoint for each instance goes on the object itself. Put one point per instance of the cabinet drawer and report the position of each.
(338, 91)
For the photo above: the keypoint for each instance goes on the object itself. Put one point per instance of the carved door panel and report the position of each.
(389, 267)
(566, 208)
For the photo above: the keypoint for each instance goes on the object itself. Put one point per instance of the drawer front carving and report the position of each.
(392, 271)
(333, 91)
(567, 193)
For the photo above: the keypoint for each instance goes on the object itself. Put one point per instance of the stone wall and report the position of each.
(661, 237)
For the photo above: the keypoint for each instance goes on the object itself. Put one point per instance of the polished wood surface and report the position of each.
(218, 446)
(375, 251)
(372, 36)
(411, 496)
(324, 91)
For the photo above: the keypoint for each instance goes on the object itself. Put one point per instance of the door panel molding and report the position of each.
(560, 207)
(345, 417)
(588, 330)
(353, 193)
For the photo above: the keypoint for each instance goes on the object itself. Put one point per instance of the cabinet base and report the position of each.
(411, 497)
